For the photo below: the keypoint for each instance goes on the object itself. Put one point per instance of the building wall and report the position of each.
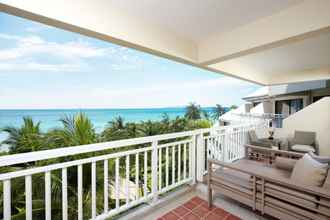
(315, 117)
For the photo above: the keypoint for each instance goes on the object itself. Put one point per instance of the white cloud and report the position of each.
(34, 45)
(34, 66)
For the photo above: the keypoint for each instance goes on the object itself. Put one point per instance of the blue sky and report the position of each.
(45, 67)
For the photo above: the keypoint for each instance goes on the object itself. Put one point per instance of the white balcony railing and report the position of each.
(153, 165)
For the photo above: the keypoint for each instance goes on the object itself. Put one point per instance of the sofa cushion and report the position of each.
(308, 167)
(304, 137)
(321, 159)
(285, 163)
(303, 148)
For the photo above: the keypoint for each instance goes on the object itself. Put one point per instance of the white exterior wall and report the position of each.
(315, 117)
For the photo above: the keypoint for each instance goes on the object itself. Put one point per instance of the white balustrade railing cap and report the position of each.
(74, 150)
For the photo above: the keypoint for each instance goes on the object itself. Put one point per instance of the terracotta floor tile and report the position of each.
(232, 217)
(213, 216)
(189, 205)
(220, 212)
(201, 211)
(197, 200)
(197, 209)
(170, 216)
(190, 216)
(206, 205)
(181, 211)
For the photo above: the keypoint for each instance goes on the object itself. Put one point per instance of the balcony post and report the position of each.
(154, 170)
(200, 157)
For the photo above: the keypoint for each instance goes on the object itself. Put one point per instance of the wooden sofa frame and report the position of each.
(259, 197)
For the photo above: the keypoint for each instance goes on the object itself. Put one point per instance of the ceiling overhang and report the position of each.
(231, 51)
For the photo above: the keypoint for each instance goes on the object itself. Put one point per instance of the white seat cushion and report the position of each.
(309, 172)
(303, 148)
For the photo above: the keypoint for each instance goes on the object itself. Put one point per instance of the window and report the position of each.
(288, 107)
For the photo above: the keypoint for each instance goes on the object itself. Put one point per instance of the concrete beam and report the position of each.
(270, 32)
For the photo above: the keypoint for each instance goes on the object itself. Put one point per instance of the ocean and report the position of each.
(50, 118)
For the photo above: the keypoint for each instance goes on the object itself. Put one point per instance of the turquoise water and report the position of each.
(50, 118)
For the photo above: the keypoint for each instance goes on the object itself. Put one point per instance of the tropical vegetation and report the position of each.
(79, 130)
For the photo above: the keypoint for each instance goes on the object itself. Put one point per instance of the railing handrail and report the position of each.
(261, 115)
(13, 159)
(9, 160)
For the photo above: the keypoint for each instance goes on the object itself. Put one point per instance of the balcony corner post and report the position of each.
(200, 157)
(154, 170)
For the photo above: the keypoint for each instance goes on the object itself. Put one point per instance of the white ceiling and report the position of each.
(304, 55)
(197, 19)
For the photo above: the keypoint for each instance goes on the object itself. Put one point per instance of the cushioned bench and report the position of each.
(264, 187)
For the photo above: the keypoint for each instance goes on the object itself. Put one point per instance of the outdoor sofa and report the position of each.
(263, 180)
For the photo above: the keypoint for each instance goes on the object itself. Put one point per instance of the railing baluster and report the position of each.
(173, 164)
(93, 190)
(127, 180)
(64, 194)
(6, 200)
(145, 178)
(179, 162)
(160, 169)
(80, 192)
(28, 197)
(154, 170)
(117, 183)
(106, 186)
(48, 201)
(167, 165)
(185, 160)
(137, 170)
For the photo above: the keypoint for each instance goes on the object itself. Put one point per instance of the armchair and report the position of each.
(303, 142)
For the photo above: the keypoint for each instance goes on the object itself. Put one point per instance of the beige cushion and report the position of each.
(309, 171)
(321, 159)
(303, 148)
(304, 137)
(285, 163)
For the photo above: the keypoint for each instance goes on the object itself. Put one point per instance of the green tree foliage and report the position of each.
(218, 111)
(79, 130)
(25, 138)
(193, 111)
(233, 107)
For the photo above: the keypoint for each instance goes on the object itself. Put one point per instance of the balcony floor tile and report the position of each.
(196, 209)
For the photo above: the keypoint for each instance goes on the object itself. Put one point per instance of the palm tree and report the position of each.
(115, 130)
(218, 111)
(77, 130)
(150, 128)
(117, 123)
(193, 111)
(25, 138)
(233, 107)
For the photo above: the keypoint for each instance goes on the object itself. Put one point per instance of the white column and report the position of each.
(200, 157)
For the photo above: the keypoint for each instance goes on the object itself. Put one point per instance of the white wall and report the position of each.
(263, 107)
(315, 117)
